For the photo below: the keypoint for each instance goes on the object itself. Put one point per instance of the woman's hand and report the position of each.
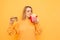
(11, 31)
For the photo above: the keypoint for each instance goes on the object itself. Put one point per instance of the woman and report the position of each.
(27, 28)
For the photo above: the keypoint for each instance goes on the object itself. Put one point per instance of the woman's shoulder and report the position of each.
(20, 21)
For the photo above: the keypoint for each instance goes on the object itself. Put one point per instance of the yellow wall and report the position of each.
(47, 10)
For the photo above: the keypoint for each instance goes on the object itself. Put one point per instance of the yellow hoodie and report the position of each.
(27, 30)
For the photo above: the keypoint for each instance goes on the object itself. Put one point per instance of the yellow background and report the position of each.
(47, 10)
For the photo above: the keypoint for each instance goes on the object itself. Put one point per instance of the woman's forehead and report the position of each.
(28, 8)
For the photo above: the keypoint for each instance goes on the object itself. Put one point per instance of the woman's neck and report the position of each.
(27, 17)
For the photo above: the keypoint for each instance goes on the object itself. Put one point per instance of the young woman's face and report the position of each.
(28, 12)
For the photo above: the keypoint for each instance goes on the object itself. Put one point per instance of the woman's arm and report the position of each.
(37, 28)
(13, 29)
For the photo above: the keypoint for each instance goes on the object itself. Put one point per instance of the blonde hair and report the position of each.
(24, 14)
